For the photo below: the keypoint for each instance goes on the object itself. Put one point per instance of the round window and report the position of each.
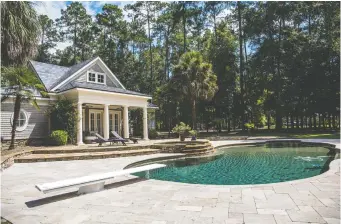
(22, 120)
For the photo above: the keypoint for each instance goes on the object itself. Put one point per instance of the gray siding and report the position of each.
(37, 122)
(96, 68)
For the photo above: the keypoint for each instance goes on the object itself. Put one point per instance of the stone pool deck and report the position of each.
(128, 199)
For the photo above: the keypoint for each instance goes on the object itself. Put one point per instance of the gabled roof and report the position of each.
(100, 87)
(73, 69)
(55, 77)
(60, 79)
(49, 74)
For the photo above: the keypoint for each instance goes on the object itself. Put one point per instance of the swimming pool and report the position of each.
(248, 164)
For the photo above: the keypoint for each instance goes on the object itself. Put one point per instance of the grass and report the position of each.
(304, 134)
(318, 135)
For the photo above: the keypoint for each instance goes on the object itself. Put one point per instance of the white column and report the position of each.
(106, 121)
(80, 124)
(125, 122)
(145, 124)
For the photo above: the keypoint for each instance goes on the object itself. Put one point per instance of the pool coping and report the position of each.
(334, 166)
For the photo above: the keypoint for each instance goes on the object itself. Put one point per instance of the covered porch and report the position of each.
(102, 119)
(102, 112)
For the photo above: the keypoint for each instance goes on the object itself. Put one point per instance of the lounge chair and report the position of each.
(100, 140)
(117, 136)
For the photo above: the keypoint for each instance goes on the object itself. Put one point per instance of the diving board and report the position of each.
(92, 183)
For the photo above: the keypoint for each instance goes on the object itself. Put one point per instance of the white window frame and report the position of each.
(95, 112)
(113, 113)
(96, 77)
(22, 128)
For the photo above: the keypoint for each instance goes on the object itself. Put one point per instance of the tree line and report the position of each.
(213, 64)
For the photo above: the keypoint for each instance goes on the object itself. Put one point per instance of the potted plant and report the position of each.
(88, 137)
(182, 129)
(249, 127)
(194, 134)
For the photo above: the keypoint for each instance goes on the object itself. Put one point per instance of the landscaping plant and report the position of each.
(58, 137)
(182, 129)
(64, 116)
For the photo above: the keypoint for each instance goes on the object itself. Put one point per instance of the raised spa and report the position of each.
(248, 164)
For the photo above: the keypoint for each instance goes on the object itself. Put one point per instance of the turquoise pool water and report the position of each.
(253, 164)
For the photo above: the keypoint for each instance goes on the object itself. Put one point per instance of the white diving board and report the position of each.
(92, 183)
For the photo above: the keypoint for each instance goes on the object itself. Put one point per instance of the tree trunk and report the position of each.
(302, 122)
(323, 121)
(194, 116)
(184, 23)
(310, 122)
(166, 58)
(229, 124)
(150, 54)
(292, 121)
(17, 105)
(269, 121)
(319, 121)
(74, 44)
(278, 97)
(297, 123)
(334, 123)
(287, 118)
(314, 119)
(241, 65)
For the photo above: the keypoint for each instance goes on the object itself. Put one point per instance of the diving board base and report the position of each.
(91, 188)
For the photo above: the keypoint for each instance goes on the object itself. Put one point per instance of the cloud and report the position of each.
(51, 9)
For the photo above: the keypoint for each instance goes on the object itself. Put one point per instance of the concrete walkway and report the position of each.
(132, 200)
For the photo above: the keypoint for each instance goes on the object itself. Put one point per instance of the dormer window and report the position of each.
(96, 77)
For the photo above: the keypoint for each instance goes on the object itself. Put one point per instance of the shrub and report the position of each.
(181, 129)
(193, 132)
(58, 137)
(64, 116)
(249, 126)
(152, 134)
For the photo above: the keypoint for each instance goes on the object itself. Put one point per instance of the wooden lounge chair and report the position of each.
(100, 140)
(117, 136)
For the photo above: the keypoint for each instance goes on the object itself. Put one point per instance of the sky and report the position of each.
(53, 11)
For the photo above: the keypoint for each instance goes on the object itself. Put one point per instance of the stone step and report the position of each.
(198, 146)
(92, 149)
(82, 156)
(209, 148)
(199, 152)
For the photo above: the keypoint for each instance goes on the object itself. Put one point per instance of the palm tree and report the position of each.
(23, 85)
(20, 31)
(195, 80)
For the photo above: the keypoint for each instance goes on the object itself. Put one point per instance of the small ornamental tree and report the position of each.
(182, 129)
(64, 116)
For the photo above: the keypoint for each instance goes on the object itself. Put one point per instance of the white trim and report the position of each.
(95, 112)
(74, 74)
(119, 120)
(105, 92)
(111, 73)
(26, 120)
(96, 77)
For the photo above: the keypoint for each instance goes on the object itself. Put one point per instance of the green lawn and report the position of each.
(317, 135)
(273, 133)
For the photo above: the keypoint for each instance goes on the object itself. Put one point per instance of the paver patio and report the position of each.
(128, 199)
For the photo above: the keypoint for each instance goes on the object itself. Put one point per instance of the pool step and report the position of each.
(82, 156)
